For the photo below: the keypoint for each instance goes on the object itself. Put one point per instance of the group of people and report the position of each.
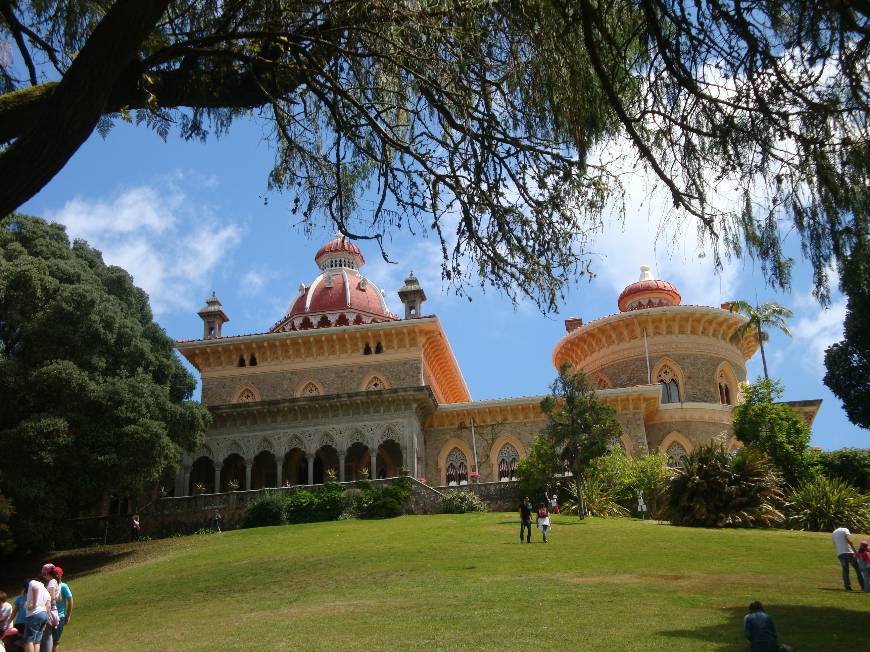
(35, 620)
(542, 517)
(858, 559)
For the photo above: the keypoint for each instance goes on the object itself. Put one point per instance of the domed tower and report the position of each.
(339, 296)
(213, 318)
(690, 354)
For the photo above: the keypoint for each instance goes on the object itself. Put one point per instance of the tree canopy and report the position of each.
(490, 122)
(766, 316)
(579, 422)
(775, 430)
(95, 400)
(848, 361)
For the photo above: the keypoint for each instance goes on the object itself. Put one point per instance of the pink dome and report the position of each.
(339, 296)
(648, 293)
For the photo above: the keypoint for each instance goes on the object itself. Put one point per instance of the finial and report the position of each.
(339, 235)
(645, 274)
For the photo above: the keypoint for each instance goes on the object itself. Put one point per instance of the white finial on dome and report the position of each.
(339, 235)
(645, 273)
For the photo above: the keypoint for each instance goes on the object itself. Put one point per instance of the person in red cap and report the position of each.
(64, 607)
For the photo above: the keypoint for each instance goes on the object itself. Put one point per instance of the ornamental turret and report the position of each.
(213, 318)
(412, 296)
(648, 292)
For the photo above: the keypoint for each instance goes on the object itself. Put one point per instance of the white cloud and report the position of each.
(815, 330)
(147, 232)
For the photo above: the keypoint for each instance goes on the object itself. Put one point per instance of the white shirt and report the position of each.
(840, 542)
(544, 521)
(37, 596)
(5, 614)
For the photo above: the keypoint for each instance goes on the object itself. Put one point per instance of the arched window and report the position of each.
(253, 361)
(375, 383)
(310, 389)
(724, 384)
(670, 387)
(507, 463)
(676, 453)
(457, 468)
(324, 322)
(379, 348)
(241, 361)
(246, 395)
(367, 349)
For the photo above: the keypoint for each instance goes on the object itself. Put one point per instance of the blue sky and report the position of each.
(187, 218)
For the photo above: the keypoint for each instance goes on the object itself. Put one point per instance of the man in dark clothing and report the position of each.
(526, 519)
(759, 630)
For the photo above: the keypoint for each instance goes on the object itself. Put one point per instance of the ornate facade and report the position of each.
(340, 385)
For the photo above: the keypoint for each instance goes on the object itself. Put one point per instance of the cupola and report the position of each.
(213, 318)
(648, 292)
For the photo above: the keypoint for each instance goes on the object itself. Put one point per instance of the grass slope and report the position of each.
(465, 583)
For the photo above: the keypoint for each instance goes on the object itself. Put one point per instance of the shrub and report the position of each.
(270, 509)
(204, 530)
(462, 502)
(601, 494)
(849, 464)
(824, 504)
(387, 501)
(300, 506)
(328, 503)
(715, 489)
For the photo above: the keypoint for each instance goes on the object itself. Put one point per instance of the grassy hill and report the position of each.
(463, 583)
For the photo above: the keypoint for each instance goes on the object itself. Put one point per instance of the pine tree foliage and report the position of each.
(490, 123)
(95, 400)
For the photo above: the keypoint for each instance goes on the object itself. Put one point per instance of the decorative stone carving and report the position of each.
(676, 453)
(246, 396)
(375, 383)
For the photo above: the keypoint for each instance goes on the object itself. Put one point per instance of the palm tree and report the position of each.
(768, 315)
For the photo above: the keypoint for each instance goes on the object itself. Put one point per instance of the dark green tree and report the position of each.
(851, 465)
(766, 316)
(494, 120)
(539, 468)
(579, 422)
(95, 399)
(776, 430)
(848, 361)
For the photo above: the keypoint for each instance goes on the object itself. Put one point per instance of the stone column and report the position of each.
(249, 465)
(309, 457)
(182, 483)
(217, 479)
(341, 458)
(279, 468)
(373, 463)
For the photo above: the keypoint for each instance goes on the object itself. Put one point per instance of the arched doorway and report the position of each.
(389, 459)
(356, 459)
(201, 473)
(325, 459)
(233, 471)
(295, 469)
(265, 471)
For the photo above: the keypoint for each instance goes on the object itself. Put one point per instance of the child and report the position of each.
(5, 613)
(862, 556)
(544, 521)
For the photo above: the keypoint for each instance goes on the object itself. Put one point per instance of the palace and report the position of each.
(341, 384)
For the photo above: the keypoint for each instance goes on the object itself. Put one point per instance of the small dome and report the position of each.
(648, 293)
(339, 253)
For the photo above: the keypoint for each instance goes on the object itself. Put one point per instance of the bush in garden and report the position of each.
(269, 509)
(462, 502)
(387, 501)
(602, 495)
(824, 504)
(716, 489)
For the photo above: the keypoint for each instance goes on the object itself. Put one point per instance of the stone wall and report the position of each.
(696, 431)
(490, 439)
(186, 515)
(699, 372)
(350, 377)
(498, 496)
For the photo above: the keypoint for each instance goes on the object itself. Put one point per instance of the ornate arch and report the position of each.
(309, 387)
(375, 382)
(327, 438)
(667, 372)
(204, 450)
(672, 444)
(725, 384)
(448, 446)
(232, 448)
(496, 448)
(601, 381)
(357, 436)
(265, 444)
(294, 441)
(247, 393)
(390, 431)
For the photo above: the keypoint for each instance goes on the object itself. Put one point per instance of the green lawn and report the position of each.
(465, 583)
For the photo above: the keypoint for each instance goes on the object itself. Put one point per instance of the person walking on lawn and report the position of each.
(544, 521)
(526, 519)
(846, 555)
